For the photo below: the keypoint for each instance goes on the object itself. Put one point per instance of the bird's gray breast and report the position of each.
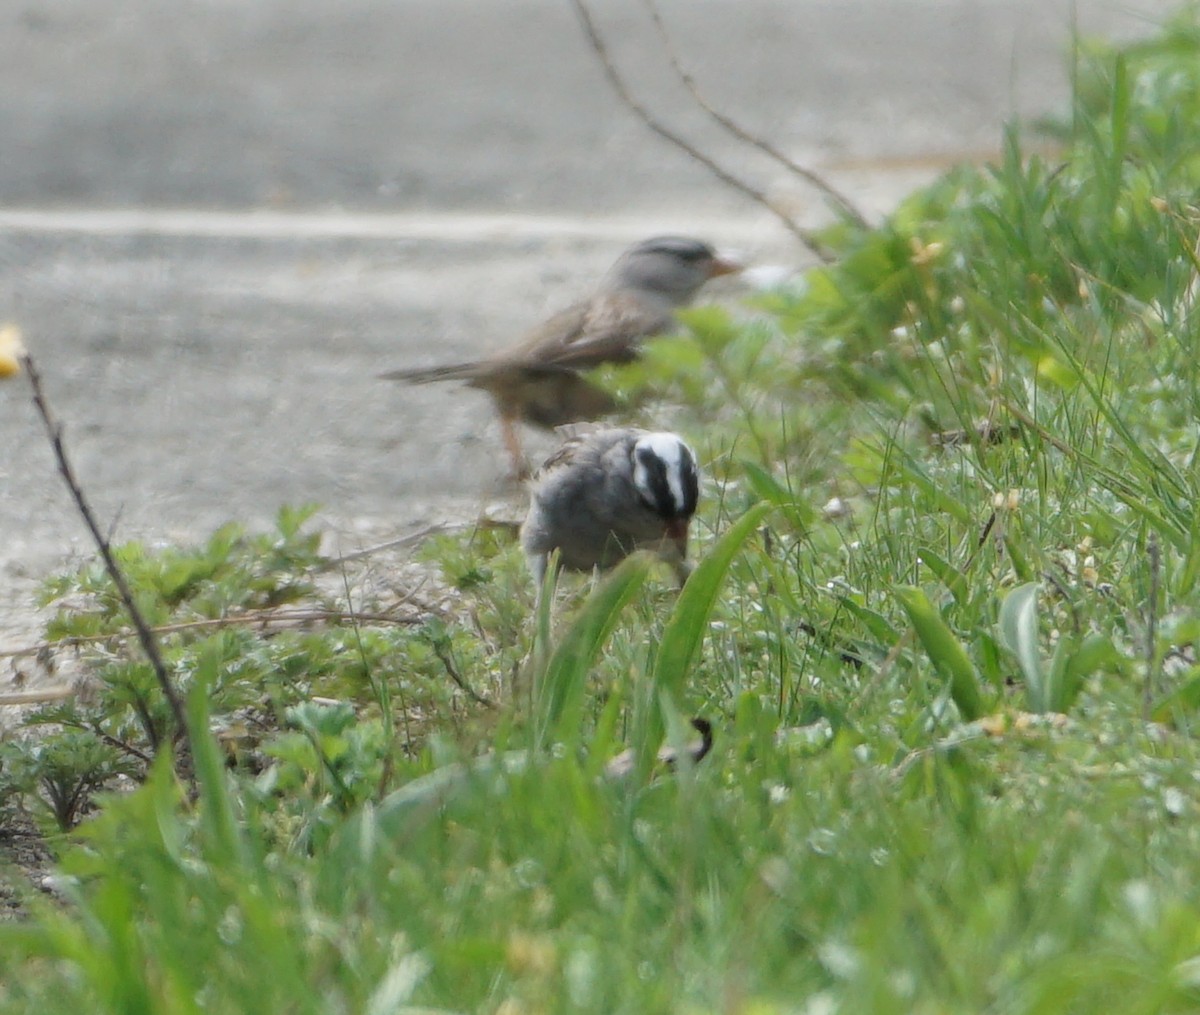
(591, 512)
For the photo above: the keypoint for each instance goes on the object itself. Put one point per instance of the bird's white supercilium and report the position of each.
(663, 460)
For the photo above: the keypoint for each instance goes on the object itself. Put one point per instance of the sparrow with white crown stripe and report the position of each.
(607, 493)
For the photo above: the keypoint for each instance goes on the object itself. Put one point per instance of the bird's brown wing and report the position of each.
(583, 448)
(565, 398)
(546, 396)
(562, 457)
(609, 328)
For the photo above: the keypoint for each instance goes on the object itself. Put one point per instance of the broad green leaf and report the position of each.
(685, 629)
(766, 487)
(712, 326)
(1074, 660)
(1184, 700)
(875, 622)
(946, 573)
(433, 790)
(1019, 634)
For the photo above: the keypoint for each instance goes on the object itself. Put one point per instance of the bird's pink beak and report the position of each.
(724, 264)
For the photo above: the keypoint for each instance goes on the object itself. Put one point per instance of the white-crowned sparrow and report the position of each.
(609, 492)
(538, 380)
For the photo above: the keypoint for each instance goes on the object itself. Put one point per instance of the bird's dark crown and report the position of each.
(683, 247)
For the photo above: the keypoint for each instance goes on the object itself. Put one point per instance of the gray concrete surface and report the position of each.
(219, 218)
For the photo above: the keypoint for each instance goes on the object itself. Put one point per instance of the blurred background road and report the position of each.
(220, 219)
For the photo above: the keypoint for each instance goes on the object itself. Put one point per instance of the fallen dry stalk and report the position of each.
(38, 697)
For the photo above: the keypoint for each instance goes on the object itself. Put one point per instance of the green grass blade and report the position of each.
(219, 825)
(946, 573)
(945, 650)
(1120, 123)
(560, 688)
(875, 622)
(685, 629)
(910, 470)
(684, 633)
(767, 488)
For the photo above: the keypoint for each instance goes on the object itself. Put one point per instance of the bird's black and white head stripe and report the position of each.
(665, 475)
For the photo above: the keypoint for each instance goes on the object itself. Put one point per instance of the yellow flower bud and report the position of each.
(11, 351)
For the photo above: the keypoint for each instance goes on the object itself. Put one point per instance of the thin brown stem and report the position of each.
(740, 132)
(452, 672)
(122, 746)
(805, 236)
(54, 431)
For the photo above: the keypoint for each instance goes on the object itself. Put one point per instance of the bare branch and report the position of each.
(120, 745)
(805, 236)
(54, 431)
(738, 131)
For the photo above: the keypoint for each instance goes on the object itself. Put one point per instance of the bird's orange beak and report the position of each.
(724, 264)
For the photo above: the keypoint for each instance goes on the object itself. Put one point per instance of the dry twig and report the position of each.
(453, 673)
(39, 697)
(738, 131)
(805, 236)
(54, 431)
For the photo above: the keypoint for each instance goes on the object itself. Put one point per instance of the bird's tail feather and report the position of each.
(428, 375)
